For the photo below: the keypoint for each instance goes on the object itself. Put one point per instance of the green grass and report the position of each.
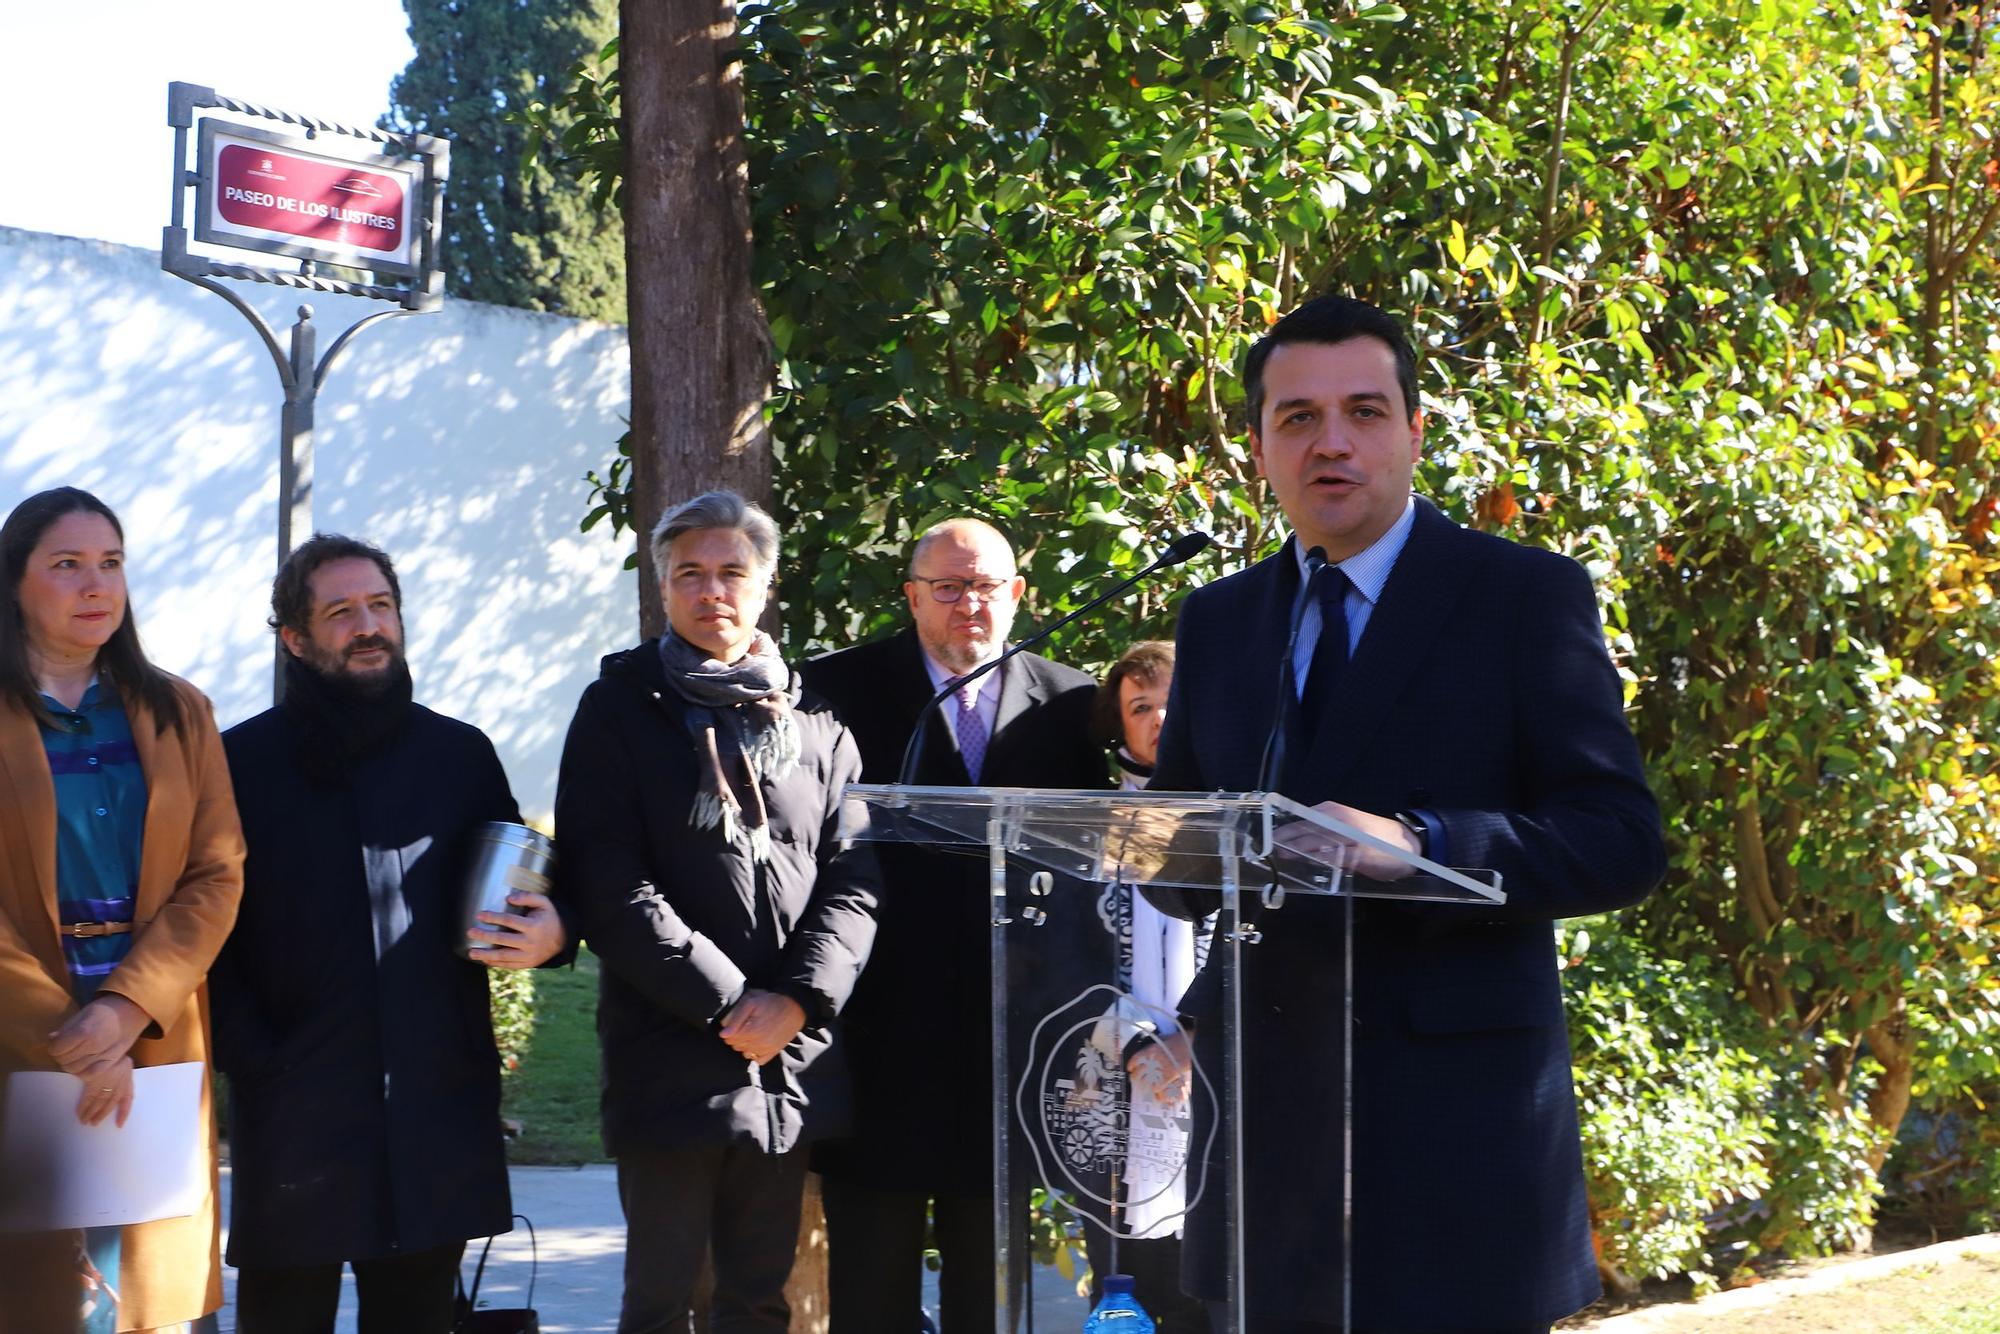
(1961, 1298)
(1980, 1316)
(553, 1093)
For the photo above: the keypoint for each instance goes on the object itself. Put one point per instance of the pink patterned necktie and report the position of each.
(971, 732)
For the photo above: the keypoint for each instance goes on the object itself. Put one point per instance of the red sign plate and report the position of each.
(311, 198)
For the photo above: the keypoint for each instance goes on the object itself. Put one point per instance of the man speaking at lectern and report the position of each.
(1455, 697)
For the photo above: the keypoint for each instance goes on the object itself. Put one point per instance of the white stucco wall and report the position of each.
(457, 441)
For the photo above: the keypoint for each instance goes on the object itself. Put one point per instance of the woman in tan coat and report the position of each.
(120, 868)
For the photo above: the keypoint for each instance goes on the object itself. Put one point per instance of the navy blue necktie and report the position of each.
(1329, 658)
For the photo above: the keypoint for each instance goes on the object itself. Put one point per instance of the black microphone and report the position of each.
(1183, 548)
(1272, 767)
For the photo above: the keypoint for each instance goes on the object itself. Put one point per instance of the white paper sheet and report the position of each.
(96, 1176)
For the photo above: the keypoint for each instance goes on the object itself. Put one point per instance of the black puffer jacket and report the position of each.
(684, 921)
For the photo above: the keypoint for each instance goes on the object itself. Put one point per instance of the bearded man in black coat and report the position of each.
(363, 1077)
(699, 810)
(919, 1028)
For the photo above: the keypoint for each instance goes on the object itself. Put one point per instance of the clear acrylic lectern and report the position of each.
(1096, 1099)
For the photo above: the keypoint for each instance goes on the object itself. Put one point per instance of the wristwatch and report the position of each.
(1413, 822)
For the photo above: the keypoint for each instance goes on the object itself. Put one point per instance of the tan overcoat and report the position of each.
(190, 878)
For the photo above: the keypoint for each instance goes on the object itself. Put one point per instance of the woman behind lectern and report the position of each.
(1157, 958)
(121, 864)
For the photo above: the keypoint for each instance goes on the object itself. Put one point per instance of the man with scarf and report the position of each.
(364, 1083)
(698, 809)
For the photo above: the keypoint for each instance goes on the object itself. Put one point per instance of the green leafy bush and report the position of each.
(1675, 1116)
(1822, 1154)
(512, 992)
(1055, 1236)
(1945, 1172)
(1703, 1136)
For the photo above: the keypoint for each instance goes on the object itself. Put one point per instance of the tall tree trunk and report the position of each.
(701, 354)
(701, 351)
(807, 1289)
(1891, 1043)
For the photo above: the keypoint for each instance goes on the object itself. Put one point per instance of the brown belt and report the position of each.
(96, 928)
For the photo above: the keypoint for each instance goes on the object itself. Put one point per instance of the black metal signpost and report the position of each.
(360, 210)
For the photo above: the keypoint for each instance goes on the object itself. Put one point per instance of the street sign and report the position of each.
(288, 195)
(360, 210)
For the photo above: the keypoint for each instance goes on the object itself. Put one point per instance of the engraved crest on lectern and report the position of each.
(1119, 1148)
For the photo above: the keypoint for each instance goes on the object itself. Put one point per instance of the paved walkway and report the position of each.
(581, 1236)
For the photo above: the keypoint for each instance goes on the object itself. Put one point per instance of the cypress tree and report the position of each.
(513, 235)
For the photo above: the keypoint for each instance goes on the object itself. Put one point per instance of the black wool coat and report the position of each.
(919, 1027)
(1481, 691)
(364, 1082)
(684, 920)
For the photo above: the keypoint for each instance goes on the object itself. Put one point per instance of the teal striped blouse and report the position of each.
(100, 821)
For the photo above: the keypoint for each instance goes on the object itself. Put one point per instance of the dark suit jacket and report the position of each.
(918, 1025)
(1481, 690)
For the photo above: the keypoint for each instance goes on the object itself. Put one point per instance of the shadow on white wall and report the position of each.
(456, 441)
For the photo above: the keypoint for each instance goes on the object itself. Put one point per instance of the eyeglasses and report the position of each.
(951, 590)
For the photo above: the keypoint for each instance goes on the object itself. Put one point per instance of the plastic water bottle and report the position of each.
(1119, 1312)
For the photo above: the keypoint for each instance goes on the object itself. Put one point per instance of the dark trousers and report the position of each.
(875, 1258)
(734, 1201)
(400, 1294)
(1155, 1267)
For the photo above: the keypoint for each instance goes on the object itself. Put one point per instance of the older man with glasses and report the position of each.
(919, 1022)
